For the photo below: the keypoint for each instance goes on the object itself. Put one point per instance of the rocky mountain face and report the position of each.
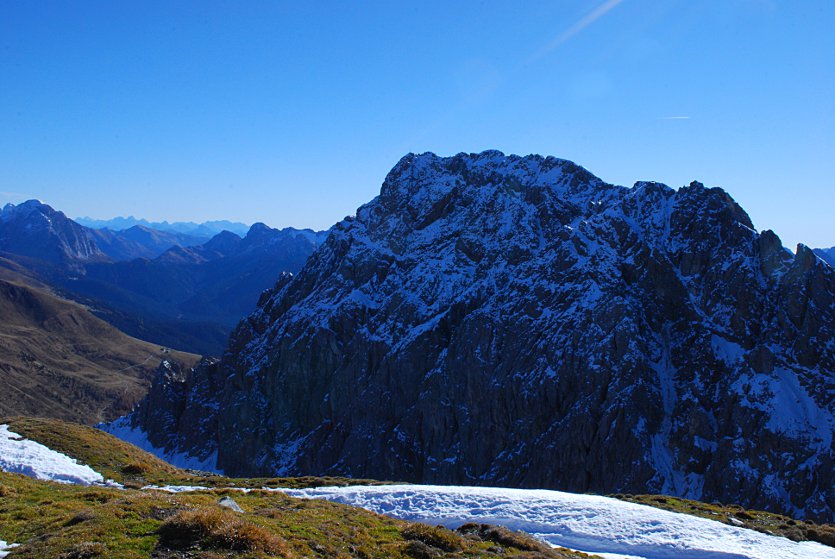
(516, 321)
(36, 231)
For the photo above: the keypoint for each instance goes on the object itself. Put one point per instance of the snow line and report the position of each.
(19, 455)
(6, 548)
(587, 523)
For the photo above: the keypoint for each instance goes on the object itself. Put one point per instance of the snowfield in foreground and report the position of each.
(22, 456)
(608, 527)
(589, 523)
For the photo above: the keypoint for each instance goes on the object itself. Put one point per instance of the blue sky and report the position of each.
(293, 113)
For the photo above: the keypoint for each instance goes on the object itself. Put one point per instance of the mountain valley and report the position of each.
(168, 287)
(58, 360)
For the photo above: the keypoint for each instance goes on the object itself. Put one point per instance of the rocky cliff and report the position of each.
(503, 320)
(34, 230)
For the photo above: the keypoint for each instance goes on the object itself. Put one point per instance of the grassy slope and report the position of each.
(58, 360)
(71, 522)
(761, 521)
(135, 468)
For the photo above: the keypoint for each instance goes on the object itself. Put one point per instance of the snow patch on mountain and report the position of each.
(588, 523)
(791, 409)
(19, 455)
(122, 429)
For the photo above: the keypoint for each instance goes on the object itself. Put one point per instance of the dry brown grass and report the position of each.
(523, 545)
(59, 360)
(435, 536)
(213, 527)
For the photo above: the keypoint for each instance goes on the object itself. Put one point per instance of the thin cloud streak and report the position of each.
(593, 16)
(499, 80)
(674, 118)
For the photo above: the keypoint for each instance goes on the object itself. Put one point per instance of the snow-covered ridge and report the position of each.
(515, 321)
(22, 456)
(588, 523)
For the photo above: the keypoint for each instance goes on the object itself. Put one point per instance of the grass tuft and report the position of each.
(84, 515)
(136, 469)
(434, 536)
(212, 527)
(502, 536)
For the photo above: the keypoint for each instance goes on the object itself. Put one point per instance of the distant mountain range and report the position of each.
(204, 230)
(140, 242)
(192, 297)
(170, 287)
(35, 230)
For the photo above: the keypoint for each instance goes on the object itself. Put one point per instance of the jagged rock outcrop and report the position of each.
(180, 407)
(504, 320)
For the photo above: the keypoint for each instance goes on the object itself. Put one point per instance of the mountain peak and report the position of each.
(11, 211)
(34, 229)
(259, 232)
(497, 319)
(422, 186)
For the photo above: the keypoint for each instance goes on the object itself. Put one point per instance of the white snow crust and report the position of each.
(6, 548)
(589, 523)
(186, 488)
(22, 456)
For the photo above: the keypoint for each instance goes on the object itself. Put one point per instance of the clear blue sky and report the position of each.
(293, 113)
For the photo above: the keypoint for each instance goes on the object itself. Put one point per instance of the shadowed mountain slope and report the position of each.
(505, 320)
(163, 286)
(192, 297)
(827, 254)
(58, 360)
